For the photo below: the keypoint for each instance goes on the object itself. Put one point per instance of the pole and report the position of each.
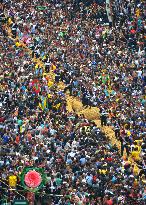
(30, 197)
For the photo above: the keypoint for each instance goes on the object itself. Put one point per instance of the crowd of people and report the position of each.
(92, 50)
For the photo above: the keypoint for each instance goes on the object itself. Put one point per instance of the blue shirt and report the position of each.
(89, 179)
(83, 161)
(69, 161)
(5, 139)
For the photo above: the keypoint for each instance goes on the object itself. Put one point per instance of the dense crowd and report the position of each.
(97, 50)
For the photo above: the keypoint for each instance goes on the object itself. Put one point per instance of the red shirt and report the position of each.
(109, 159)
(17, 139)
(2, 119)
(109, 202)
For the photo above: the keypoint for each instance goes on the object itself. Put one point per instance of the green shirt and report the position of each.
(58, 181)
(20, 122)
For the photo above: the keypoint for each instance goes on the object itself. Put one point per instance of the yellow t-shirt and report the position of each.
(135, 155)
(57, 106)
(10, 21)
(138, 141)
(137, 12)
(50, 83)
(17, 44)
(12, 181)
(128, 133)
(21, 129)
(135, 170)
(49, 96)
(53, 67)
(102, 171)
(36, 66)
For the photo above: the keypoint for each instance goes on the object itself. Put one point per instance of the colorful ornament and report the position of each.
(33, 179)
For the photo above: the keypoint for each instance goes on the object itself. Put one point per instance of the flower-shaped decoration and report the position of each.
(33, 179)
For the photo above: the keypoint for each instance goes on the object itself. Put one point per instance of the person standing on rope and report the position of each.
(117, 129)
(103, 116)
(14, 29)
(69, 87)
(124, 145)
(85, 99)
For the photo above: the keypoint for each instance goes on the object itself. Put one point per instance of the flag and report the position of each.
(43, 103)
(105, 78)
(36, 86)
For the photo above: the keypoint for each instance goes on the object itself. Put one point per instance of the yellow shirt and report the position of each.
(17, 44)
(57, 106)
(135, 155)
(128, 133)
(50, 83)
(49, 96)
(135, 170)
(102, 171)
(12, 181)
(10, 21)
(53, 67)
(137, 12)
(36, 66)
(138, 141)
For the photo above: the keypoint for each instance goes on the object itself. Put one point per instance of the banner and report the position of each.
(20, 202)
